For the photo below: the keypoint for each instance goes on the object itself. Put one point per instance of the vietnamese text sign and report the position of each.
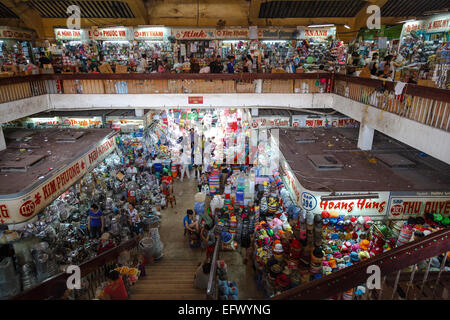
(15, 33)
(195, 100)
(271, 121)
(403, 205)
(151, 33)
(68, 34)
(193, 33)
(311, 200)
(235, 33)
(306, 121)
(23, 208)
(113, 34)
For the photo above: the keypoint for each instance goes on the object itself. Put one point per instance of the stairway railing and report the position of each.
(93, 272)
(211, 291)
(391, 264)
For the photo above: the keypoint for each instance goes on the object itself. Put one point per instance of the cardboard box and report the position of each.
(105, 68)
(121, 69)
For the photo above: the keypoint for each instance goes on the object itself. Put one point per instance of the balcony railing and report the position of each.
(166, 83)
(399, 274)
(93, 273)
(429, 106)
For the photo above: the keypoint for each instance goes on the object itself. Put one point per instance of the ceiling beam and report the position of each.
(29, 17)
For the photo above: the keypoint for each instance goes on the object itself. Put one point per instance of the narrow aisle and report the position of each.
(172, 277)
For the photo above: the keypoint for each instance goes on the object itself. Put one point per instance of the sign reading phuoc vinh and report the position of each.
(23, 208)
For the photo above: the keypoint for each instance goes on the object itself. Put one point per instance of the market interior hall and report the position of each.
(241, 150)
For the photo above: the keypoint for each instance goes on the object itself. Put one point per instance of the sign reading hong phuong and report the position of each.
(23, 208)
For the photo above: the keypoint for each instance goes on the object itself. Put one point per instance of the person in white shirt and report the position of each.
(134, 219)
(185, 160)
(143, 64)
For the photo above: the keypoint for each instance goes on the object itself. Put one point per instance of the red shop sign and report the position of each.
(195, 100)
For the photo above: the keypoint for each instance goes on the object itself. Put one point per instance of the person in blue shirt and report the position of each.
(190, 223)
(230, 65)
(96, 222)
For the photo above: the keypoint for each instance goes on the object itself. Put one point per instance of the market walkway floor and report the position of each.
(172, 277)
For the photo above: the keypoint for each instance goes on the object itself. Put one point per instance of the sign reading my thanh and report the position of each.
(24, 207)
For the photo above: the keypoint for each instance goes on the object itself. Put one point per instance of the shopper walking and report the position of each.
(134, 220)
(96, 222)
(185, 161)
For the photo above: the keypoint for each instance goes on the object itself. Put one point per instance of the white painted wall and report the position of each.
(2, 140)
(158, 101)
(23, 108)
(432, 141)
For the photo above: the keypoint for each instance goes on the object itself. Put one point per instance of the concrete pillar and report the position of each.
(2, 140)
(258, 85)
(365, 138)
(139, 112)
(255, 112)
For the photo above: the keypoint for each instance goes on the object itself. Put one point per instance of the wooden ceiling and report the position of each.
(43, 15)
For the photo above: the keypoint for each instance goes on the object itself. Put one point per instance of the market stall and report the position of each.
(424, 45)
(16, 52)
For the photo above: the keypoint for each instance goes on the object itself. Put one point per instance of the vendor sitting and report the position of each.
(190, 223)
(105, 243)
(115, 290)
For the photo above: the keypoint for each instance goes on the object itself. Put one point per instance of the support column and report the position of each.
(255, 112)
(2, 140)
(365, 138)
(139, 112)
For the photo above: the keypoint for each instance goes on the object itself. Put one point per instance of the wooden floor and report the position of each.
(168, 279)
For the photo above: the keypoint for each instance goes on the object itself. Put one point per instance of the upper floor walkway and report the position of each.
(412, 114)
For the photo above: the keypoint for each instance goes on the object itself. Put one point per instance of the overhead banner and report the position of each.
(233, 34)
(439, 23)
(68, 34)
(111, 34)
(151, 33)
(193, 33)
(16, 34)
(25, 207)
(403, 205)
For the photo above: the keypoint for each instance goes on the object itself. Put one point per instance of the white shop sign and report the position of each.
(271, 121)
(403, 205)
(111, 34)
(316, 33)
(312, 200)
(19, 209)
(151, 33)
(193, 33)
(68, 34)
(307, 121)
(440, 23)
(233, 34)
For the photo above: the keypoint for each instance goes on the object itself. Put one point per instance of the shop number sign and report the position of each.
(195, 100)
(23, 208)
(309, 202)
